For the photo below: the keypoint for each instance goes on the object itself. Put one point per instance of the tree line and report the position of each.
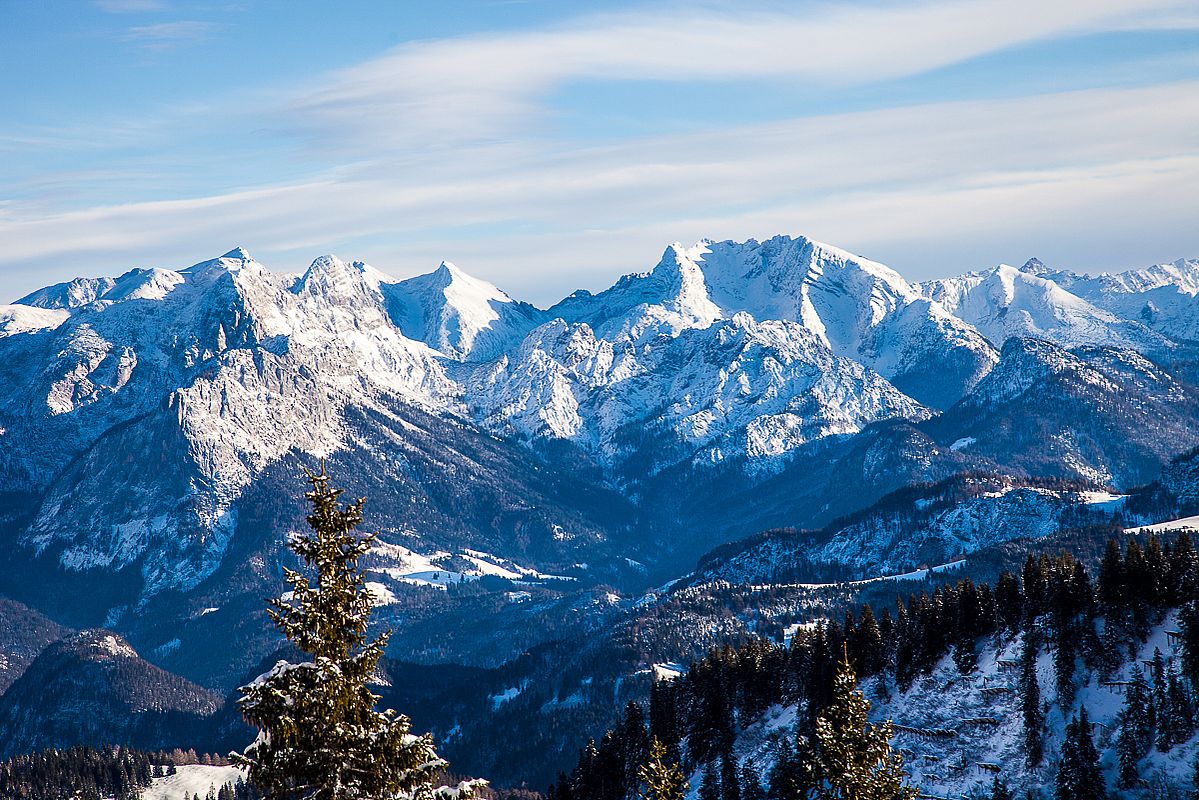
(87, 773)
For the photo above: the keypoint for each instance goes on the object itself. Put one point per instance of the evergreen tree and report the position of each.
(1127, 758)
(1136, 730)
(965, 626)
(1062, 620)
(1035, 581)
(790, 776)
(660, 777)
(905, 630)
(663, 718)
(1030, 701)
(1136, 578)
(1009, 604)
(320, 735)
(1078, 775)
(854, 758)
(709, 784)
(635, 742)
(730, 782)
(751, 784)
(1175, 719)
(868, 643)
(1000, 790)
(1112, 583)
(1188, 621)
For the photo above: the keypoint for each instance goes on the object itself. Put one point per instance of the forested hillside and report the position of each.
(1057, 634)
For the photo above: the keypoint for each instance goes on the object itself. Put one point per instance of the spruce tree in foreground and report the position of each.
(320, 737)
(855, 759)
(661, 778)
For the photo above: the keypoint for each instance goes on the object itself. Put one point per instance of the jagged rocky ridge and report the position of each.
(153, 424)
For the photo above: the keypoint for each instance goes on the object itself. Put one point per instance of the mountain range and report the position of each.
(528, 468)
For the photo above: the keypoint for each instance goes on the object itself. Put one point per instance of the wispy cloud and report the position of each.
(470, 88)
(130, 6)
(164, 35)
(437, 150)
(928, 181)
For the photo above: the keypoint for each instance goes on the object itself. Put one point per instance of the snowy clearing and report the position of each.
(668, 671)
(380, 594)
(915, 575)
(1185, 523)
(191, 779)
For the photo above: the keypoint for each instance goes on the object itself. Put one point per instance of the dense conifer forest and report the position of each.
(1088, 623)
(86, 773)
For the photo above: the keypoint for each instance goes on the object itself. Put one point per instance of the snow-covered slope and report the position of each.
(143, 414)
(1102, 414)
(735, 386)
(958, 732)
(459, 315)
(191, 780)
(858, 308)
(918, 526)
(1161, 297)
(1007, 302)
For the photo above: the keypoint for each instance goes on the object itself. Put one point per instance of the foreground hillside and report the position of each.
(982, 682)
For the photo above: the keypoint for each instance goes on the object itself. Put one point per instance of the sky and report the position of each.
(548, 146)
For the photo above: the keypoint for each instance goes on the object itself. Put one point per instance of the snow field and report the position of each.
(190, 780)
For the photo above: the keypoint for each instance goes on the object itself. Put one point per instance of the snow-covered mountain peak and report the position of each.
(144, 284)
(18, 318)
(68, 295)
(832, 292)
(459, 315)
(1035, 266)
(782, 277)
(1161, 297)
(859, 308)
(1182, 274)
(344, 295)
(667, 300)
(236, 260)
(856, 307)
(328, 274)
(448, 272)
(682, 285)
(1007, 302)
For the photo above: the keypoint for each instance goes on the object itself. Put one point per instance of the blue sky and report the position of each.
(547, 146)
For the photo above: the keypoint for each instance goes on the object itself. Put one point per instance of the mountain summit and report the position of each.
(458, 315)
